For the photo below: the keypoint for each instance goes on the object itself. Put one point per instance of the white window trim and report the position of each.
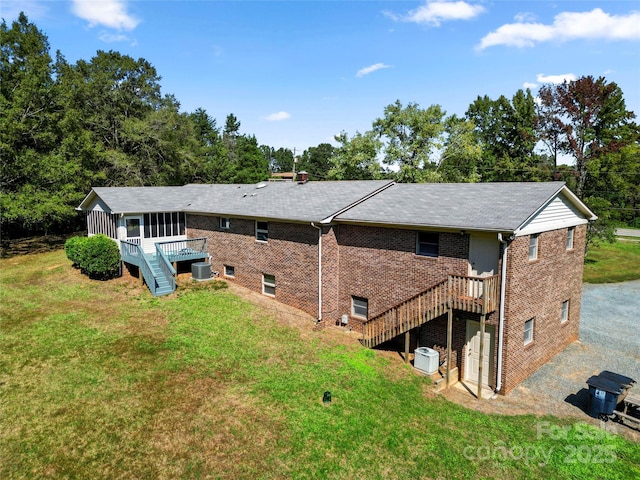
(266, 283)
(225, 223)
(564, 311)
(527, 341)
(571, 231)
(354, 299)
(262, 230)
(534, 241)
(227, 274)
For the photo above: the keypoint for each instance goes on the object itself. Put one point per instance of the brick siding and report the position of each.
(381, 265)
(536, 289)
(291, 254)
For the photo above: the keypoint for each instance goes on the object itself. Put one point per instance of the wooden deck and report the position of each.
(469, 294)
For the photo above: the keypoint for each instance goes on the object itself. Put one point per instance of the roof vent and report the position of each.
(261, 185)
(303, 177)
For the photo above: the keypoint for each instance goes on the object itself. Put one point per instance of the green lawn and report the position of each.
(100, 380)
(613, 262)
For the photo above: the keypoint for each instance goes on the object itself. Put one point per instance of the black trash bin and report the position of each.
(625, 382)
(603, 395)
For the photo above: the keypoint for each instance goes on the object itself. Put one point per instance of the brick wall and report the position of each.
(330, 274)
(536, 289)
(381, 265)
(291, 254)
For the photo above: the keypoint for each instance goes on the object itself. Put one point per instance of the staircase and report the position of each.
(471, 294)
(163, 284)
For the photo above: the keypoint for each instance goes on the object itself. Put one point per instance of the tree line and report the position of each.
(65, 128)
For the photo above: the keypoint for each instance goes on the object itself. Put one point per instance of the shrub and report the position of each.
(74, 248)
(100, 257)
(96, 256)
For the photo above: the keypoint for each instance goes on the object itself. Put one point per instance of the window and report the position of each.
(528, 331)
(428, 244)
(133, 227)
(533, 247)
(570, 232)
(225, 223)
(269, 284)
(564, 316)
(163, 224)
(359, 307)
(262, 231)
(229, 271)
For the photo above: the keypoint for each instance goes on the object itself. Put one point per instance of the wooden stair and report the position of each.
(471, 294)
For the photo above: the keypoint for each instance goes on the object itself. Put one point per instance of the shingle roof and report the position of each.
(473, 206)
(141, 199)
(309, 202)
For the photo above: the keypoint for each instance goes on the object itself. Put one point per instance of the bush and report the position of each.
(74, 248)
(96, 256)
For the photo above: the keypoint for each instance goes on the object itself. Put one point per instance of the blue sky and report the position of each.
(296, 73)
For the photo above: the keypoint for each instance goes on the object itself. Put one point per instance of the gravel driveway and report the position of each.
(609, 340)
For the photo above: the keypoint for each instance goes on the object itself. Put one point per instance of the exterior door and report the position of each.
(484, 251)
(133, 226)
(472, 368)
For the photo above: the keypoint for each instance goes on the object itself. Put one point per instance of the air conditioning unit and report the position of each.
(201, 271)
(426, 359)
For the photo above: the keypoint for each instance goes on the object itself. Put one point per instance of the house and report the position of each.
(488, 274)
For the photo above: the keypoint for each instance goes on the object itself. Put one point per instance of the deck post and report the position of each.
(449, 334)
(407, 339)
(481, 354)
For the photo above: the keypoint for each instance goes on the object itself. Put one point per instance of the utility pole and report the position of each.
(295, 160)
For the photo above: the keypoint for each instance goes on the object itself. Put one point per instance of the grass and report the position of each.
(613, 262)
(100, 380)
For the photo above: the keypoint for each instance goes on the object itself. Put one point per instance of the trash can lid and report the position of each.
(616, 377)
(606, 384)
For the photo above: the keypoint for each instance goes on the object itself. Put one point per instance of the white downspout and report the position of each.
(319, 271)
(503, 286)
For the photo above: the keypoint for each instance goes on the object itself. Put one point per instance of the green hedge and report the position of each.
(96, 256)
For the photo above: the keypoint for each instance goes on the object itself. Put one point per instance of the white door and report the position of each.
(133, 229)
(472, 369)
(484, 251)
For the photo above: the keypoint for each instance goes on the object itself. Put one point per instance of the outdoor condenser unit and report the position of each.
(426, 360)
(201, 271)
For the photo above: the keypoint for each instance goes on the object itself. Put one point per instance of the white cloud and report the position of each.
(435, 12)
(110, 13)
(529, 85)
(111, 38)
(565, 77)
(592, 25)
(278, 116)
(370, 69)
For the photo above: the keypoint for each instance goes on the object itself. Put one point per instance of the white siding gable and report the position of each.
(558, 213)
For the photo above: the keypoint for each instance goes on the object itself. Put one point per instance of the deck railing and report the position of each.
(470, 294)
(188, 249)
(133, 253)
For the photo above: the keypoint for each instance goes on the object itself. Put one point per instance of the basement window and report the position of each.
(269, 284)
(533, 247)
(564, 315)
(262, 231)
(528, 331)
(570, 232)
(229, 271)
(428, 244)
(359, 307)
(225, 223)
